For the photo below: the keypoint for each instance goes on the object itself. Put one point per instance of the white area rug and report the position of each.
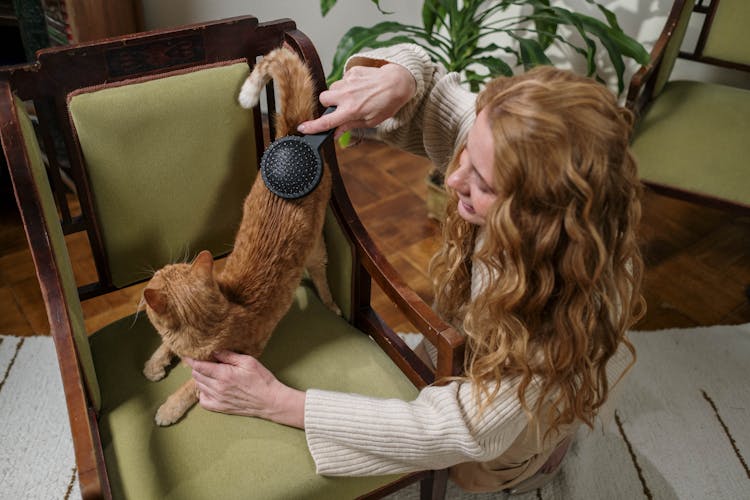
(681, 430)
(36, 450)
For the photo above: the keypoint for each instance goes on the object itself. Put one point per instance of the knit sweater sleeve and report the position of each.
(436, 120)
(349, 434)
(353, 435)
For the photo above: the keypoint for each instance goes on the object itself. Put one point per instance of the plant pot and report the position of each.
(436, 196)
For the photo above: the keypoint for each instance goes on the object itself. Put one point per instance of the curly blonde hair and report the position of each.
(563, 267)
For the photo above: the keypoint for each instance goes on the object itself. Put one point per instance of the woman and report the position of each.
(539, 267)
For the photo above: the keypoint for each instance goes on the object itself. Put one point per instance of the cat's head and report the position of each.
(184, 304)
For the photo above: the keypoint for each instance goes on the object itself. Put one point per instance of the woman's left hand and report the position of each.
(240, 385)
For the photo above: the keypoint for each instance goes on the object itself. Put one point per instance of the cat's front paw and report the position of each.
(154, 371)
(168, 414)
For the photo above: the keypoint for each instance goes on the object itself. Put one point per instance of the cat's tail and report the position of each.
(293, 81)
(250, 91)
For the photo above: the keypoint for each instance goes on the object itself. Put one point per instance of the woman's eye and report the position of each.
(481, 185)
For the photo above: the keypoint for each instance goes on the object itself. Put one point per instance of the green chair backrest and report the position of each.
(728, 39)
(169, 161)
(672, 50)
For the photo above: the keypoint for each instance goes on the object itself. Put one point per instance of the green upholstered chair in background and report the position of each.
(162, 155)
(692, 138)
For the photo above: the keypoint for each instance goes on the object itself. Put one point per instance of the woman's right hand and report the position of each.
(364, 97)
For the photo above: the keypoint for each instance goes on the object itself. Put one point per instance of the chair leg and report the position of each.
(433, 487)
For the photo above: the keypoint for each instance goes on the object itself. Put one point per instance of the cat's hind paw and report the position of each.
(334, 308)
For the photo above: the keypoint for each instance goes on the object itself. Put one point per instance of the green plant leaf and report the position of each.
(326, 5)
(345, 139)
(377, 4)
(496, 66)
(358, 38)
(493, 47)
(608, 14)
(627, 45)
(431, 13)
(613, 50)
(546, 25)
(475, 80)
(569, 18)
(453, 33)
(617, 44)
(532, 53)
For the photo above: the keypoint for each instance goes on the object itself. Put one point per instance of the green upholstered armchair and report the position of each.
(161, 154)
(692, 138)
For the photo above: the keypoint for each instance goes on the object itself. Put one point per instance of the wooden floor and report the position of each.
(698, 259)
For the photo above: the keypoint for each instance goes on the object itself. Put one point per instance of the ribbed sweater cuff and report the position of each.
(412, 57)
(333, 422)
(451, 104)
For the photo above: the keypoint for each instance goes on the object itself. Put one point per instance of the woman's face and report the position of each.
(473, 179)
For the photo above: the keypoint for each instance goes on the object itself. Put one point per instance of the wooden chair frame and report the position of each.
(643, 81)
(641, 86)
(58, 71)
(641, 89)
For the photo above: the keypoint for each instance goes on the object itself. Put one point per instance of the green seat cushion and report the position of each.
(211, 455)
(694, 137)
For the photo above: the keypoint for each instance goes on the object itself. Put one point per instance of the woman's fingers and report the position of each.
(229, 357)
(365, 97)
(240, 385)
(207, 368)
(327, 121)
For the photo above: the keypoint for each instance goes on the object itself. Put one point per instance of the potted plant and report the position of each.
(464, 37)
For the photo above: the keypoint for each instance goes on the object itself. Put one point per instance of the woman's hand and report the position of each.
(241, 385)
(364, 97)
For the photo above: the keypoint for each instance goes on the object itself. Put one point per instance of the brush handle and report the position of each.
(317, 140)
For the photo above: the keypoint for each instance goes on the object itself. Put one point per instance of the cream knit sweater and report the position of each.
(349, 434)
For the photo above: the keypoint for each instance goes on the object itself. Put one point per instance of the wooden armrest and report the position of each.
(448, 341)
(642, 82)
(636, 99)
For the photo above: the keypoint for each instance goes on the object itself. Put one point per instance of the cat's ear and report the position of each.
(203, 265)
(156, 300)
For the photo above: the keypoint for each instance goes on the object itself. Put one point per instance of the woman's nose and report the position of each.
(455, 180)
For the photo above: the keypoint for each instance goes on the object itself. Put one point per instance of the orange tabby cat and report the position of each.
(197, 312)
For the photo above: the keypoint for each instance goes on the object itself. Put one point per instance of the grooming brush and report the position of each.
(292, 166)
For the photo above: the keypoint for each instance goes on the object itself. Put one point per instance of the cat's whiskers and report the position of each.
(147, 272)
(140, 306)
(186, 255)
